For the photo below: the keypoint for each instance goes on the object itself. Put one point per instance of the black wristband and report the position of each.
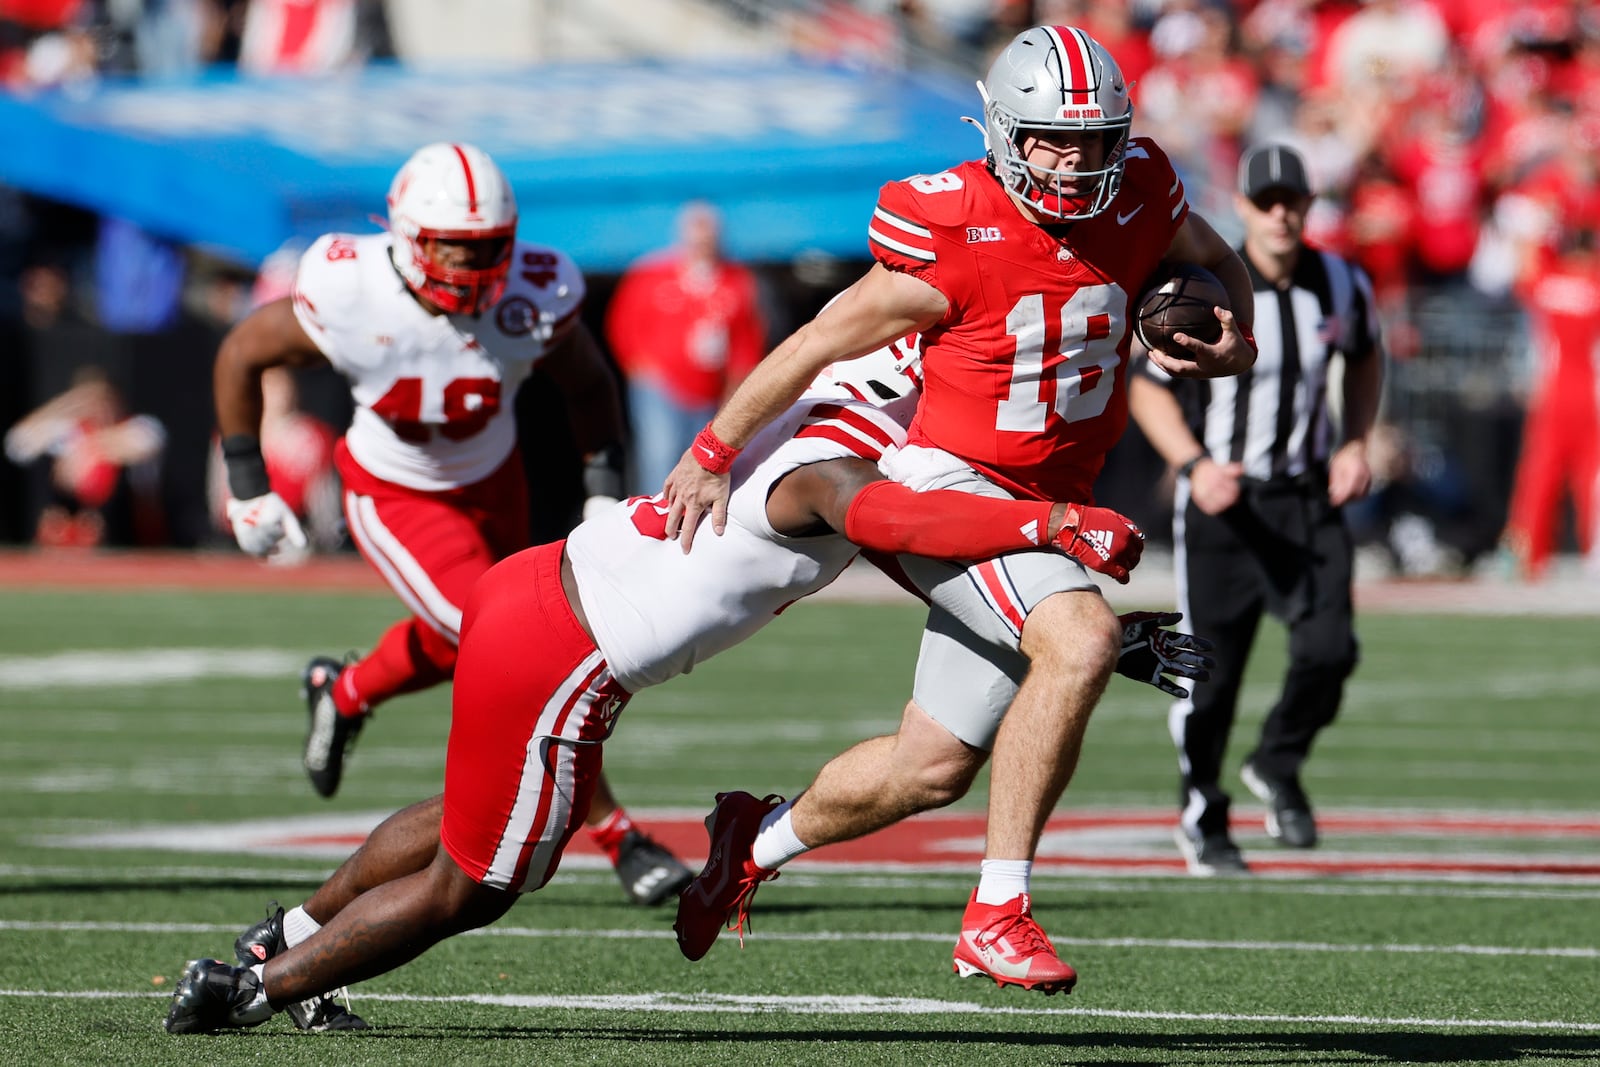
(1188, 468)
(247, 469)
(602, 472)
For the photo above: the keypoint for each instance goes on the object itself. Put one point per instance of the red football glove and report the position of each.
(1101, 540)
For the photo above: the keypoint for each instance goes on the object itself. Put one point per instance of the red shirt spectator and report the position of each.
(1379, 230)
(1444, 171)
(1561, 432)
(685, 327)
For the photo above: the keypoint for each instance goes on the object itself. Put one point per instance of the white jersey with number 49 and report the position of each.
(433, 393)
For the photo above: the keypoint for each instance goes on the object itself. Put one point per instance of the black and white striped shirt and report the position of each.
(1274, 417)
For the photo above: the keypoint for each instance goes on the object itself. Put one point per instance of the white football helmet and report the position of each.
(453, 193)
(880, 377)
(1048, 80)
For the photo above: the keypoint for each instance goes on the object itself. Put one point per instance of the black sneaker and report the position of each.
(265, 940)
(1208, 855)
(329, 736)
(213, 996)
(1289, 818)
(649, 873)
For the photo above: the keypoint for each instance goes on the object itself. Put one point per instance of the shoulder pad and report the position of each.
(548, 279)
(329, 280)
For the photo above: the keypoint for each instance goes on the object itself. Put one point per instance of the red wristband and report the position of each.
(1249, 339)
(711, 453)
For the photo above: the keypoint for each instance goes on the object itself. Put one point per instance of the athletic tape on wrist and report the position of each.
(711, 453)
(247, 468)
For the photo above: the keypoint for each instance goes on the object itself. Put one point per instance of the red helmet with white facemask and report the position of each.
(453, 194)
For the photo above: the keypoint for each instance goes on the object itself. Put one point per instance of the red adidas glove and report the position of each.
(1101, 540)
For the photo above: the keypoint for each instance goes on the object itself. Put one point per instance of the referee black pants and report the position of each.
(1284, 550)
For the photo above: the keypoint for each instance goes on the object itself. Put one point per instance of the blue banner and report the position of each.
(601, 156)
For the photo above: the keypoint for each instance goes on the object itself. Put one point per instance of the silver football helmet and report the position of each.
(1052, 79)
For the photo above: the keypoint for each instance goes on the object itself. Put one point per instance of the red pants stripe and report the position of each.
(533, 701)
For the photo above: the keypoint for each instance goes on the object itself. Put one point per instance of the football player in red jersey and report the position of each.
(1019, 270)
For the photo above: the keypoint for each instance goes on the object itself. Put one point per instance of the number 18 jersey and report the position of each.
(1024, 376)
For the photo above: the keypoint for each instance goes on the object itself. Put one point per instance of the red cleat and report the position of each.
(720, 896)
(1002, 942)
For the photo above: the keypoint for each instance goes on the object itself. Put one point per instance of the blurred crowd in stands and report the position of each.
(1455, 148)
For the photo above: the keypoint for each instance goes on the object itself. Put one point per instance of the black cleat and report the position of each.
(213, 996)
(1289, 818)
(1208, 855)
(649, 873)
(329, 736)
(265, 940)
(262, 941)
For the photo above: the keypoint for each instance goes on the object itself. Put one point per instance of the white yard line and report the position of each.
(724, 1004)
(599, 873)
(1156, 943)
(146, 666)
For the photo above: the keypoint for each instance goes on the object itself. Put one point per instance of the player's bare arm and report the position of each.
(882, 306)
(1349, 469)
(270, 336)
(1213, 486)
(1196, 242)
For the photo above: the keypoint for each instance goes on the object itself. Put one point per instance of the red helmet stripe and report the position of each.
(472, 186)
(1077, 63)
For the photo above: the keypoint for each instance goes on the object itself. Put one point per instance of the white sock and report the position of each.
(1003, 880)
(776, 843)
(298, 926)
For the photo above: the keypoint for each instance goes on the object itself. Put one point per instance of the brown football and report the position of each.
(1179, 300)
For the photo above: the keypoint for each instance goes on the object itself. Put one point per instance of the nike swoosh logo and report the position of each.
(709, 453)
(708, 893)
(1122, 220)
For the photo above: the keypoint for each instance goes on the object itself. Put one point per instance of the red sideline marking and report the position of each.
(940, 840)
(183, 570)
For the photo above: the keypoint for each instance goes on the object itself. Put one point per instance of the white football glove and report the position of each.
(594, 505)
(263, 523)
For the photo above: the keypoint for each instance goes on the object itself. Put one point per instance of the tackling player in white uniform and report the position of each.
(435, 324)
(616, 608)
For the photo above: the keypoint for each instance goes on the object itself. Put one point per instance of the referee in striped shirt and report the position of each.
(1262, 473)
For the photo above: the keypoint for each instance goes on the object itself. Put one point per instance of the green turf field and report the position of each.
(124, 712)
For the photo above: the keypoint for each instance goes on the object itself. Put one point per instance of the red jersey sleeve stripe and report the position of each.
(853, 418)
(833, 432)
